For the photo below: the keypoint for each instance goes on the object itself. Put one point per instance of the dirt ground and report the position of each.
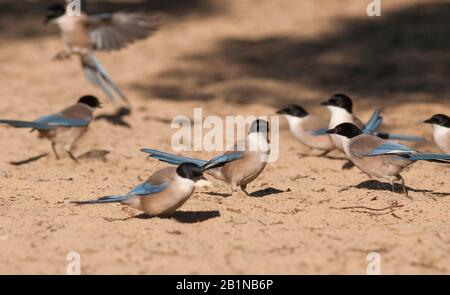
(305, 216)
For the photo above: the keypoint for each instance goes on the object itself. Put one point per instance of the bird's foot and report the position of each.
(63, 55)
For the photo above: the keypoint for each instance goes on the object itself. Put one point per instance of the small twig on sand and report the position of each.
(368, 208)
(372, 211)
(29, 160)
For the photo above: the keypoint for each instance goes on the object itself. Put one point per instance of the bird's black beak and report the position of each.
(281, 112)
(331, 131)
(429, 121)
(46, 20)
(325, 103)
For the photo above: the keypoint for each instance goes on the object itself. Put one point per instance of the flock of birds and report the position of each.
(169, 188)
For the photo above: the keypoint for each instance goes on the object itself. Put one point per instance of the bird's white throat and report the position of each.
(439, 130)
(257, 141)
(293, 121)
(339, 116)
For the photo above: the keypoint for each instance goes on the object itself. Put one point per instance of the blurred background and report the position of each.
(274, 52)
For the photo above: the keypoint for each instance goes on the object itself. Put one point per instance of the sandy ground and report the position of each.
(306, 215)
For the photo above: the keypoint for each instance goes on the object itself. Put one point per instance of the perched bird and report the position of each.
(441, 131)
(162, 194)
(65, 127)
(341, 109)
(377, 157)
(303, 124)
(238, 166)
(83, 34)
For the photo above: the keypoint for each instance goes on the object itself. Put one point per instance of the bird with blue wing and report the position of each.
(341, 110)
(307, 128)
(235, 167)
(65, 127)
(380, 158)
(163, 192)
(84, 34)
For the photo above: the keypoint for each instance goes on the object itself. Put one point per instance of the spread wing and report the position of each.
(113, 31)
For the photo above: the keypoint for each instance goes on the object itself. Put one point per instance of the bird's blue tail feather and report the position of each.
(373, 123)
(399, 137)
(429, 157)
(25, 124)
(109, 199)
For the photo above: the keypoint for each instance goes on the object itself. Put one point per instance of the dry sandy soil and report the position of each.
(306, 215)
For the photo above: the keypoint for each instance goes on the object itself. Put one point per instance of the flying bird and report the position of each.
(163, 192)
(83, 34)
(65, 127)
(237, 167)
(441, 131)
(380, 158)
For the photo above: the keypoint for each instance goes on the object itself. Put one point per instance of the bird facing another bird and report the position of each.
(377, 157)
(163, 192)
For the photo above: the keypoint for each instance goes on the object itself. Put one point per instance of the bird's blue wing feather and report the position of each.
(319, 132)
(390, 148)
(144, 189)
(57, 120)
(147, 189)
(428, 157)
(222, 159)
(172, 159)
(400, 137)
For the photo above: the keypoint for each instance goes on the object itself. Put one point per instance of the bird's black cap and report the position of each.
(348, 130)
(340, 100)
(91, 101)
(293, 110)
(439, 119)
(54, 11)
(190, 171)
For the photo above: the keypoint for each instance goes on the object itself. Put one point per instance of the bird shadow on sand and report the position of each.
(376, 61)
(186, 216)
(267, 192)
(223, 195)
(116, 118)
(384, 186)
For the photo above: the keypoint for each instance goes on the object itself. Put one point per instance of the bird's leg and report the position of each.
(244, 189)
(54, 150)
(234, 189)
(67, 149)
(393, 184)
(63, 55)
(402, 181)
(324, 153)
